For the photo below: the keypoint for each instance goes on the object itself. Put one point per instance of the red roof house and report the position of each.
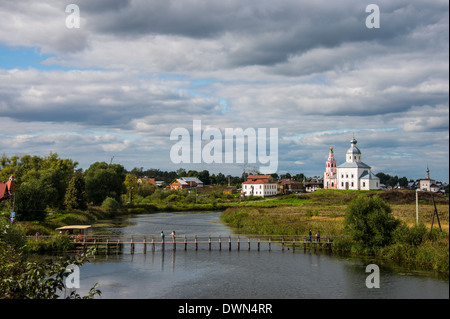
(7, 188)
(259, 185)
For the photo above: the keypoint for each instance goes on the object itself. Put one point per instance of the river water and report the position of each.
(243, 274)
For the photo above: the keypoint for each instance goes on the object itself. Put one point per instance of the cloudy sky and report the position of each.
(137, 69)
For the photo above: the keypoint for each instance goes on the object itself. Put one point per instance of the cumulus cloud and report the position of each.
(135, 70)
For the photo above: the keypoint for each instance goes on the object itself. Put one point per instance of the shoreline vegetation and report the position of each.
(323, 210)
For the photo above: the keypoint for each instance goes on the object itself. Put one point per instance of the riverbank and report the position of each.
(324, 211)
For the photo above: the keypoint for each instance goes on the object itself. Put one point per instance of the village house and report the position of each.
(288, 185)
(260, 185)
(150, 180)
(313, 185)
(186, 182)
(6, 189)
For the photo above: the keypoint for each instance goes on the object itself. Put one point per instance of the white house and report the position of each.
(260, 185)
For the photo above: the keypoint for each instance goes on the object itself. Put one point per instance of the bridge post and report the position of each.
(270, 243)
(249, 244)
(209, 243)
(174, 243)
(153, 243)
(196, 243)
(239, 244)
(282, 243)
(185, 243)
(229, 243)
(293, 244)
(132, 246)
(259, 243)
(220, 243)
(107, 246)
(145, 246)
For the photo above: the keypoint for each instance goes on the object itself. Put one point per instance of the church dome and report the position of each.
(353, 149)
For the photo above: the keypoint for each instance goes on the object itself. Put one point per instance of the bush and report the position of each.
(110, 205)
(12, 234)
(413, 236)
(370, 221)
(26, 279)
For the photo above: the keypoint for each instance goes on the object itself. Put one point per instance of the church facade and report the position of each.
(353, 174)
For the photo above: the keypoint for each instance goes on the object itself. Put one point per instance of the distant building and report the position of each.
(260, 185)
(288, 185)
(150, 180)
(313, 185)
(6, 189)
(330, 177)
(229, 190)
(186, 182)
(428, 184)
(353, 174)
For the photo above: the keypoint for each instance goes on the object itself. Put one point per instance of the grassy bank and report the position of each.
(325, 211)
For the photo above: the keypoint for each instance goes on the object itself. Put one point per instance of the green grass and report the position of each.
(325, 211)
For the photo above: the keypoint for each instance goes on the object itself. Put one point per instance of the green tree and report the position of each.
(369, 220)
(75, 197)
(131, 185)
(103, 180)
(146, 189)
(52, 173)
(110, 205)
(31, 200)
(204, 177)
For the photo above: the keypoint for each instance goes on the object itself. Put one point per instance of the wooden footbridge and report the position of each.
(217, 242)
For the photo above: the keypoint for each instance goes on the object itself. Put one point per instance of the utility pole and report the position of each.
(417, 206)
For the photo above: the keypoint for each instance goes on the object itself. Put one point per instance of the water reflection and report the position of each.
(164, 272)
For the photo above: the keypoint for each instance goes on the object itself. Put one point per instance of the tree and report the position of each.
(76, 193)
(204, 177)
(110, 205)
(131, 185)
(369, 220)
(31, 200)
(51, 172)
(146, 189)
(103, 180)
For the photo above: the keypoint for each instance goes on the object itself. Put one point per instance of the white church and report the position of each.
(353, 174)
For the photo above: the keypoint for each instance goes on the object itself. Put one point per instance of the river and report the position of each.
(243, 274)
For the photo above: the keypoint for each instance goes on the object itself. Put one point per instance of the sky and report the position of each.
(134, 70)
